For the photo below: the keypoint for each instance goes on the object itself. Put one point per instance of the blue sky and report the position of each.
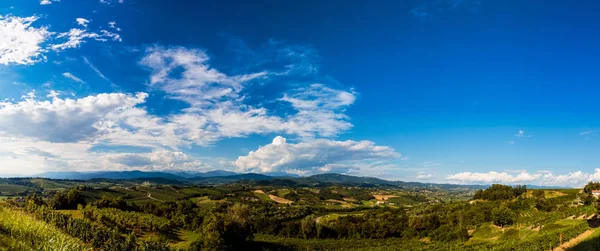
(452, 91)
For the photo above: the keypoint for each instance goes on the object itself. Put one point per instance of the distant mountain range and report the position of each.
(225, 177)
(142, 174)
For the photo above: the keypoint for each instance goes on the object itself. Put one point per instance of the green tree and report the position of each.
(503, 216)
(212, 233)
(308, 227)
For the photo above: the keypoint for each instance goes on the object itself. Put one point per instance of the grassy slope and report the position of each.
(591, 243)
(19, 231)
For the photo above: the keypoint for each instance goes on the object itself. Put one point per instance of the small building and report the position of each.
(596, 193)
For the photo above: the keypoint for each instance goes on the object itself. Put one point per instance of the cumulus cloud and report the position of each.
(313, 156)
(493, 177)
(63, 120)
(20, 42)
(218, 108)
(19, 152)
(573, 179)
(157, 160)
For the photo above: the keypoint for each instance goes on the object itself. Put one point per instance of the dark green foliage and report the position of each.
(97, 235)
(448, 233)
(588, 199)
(500, 192)
(212, 231)
(503, 216)
(114, 202)
(293, 196)
(519, 204)
(67, 199)
(236, 221)
(328, 194)
(543, 204)
(591, 186)
(539, 194)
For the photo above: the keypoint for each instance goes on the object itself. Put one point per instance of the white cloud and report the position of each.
(547, 178)
(24, 156)
(217, 101)
(493, 177)
(111, 1)
(53, 94)
(319, 155)
(63, 120)
(319, 111)
(157, 160)
(73, 77)
(217, 109)
(20, 42)
(82, 21)
(424, 176)
(75, 36)
(520, 134)
(585, 133)
(46, 2)
(198, 84)
(98, 72)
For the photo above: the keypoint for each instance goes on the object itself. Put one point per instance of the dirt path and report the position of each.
(572, 242)
(152, 198)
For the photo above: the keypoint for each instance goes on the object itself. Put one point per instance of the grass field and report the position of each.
(12, 188)
(19, 231)
(262, 195)
(185, 239)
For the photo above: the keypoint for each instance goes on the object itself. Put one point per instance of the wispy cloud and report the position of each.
(429, 9)
(98, 72)
(585, 133)
(431, 163)
(25, 43)
(424, 176)
(73, 77)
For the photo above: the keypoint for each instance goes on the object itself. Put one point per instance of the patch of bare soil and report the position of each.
(384, 196)
(280, 200)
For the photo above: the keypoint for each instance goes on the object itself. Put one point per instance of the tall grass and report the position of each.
(19, 231)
